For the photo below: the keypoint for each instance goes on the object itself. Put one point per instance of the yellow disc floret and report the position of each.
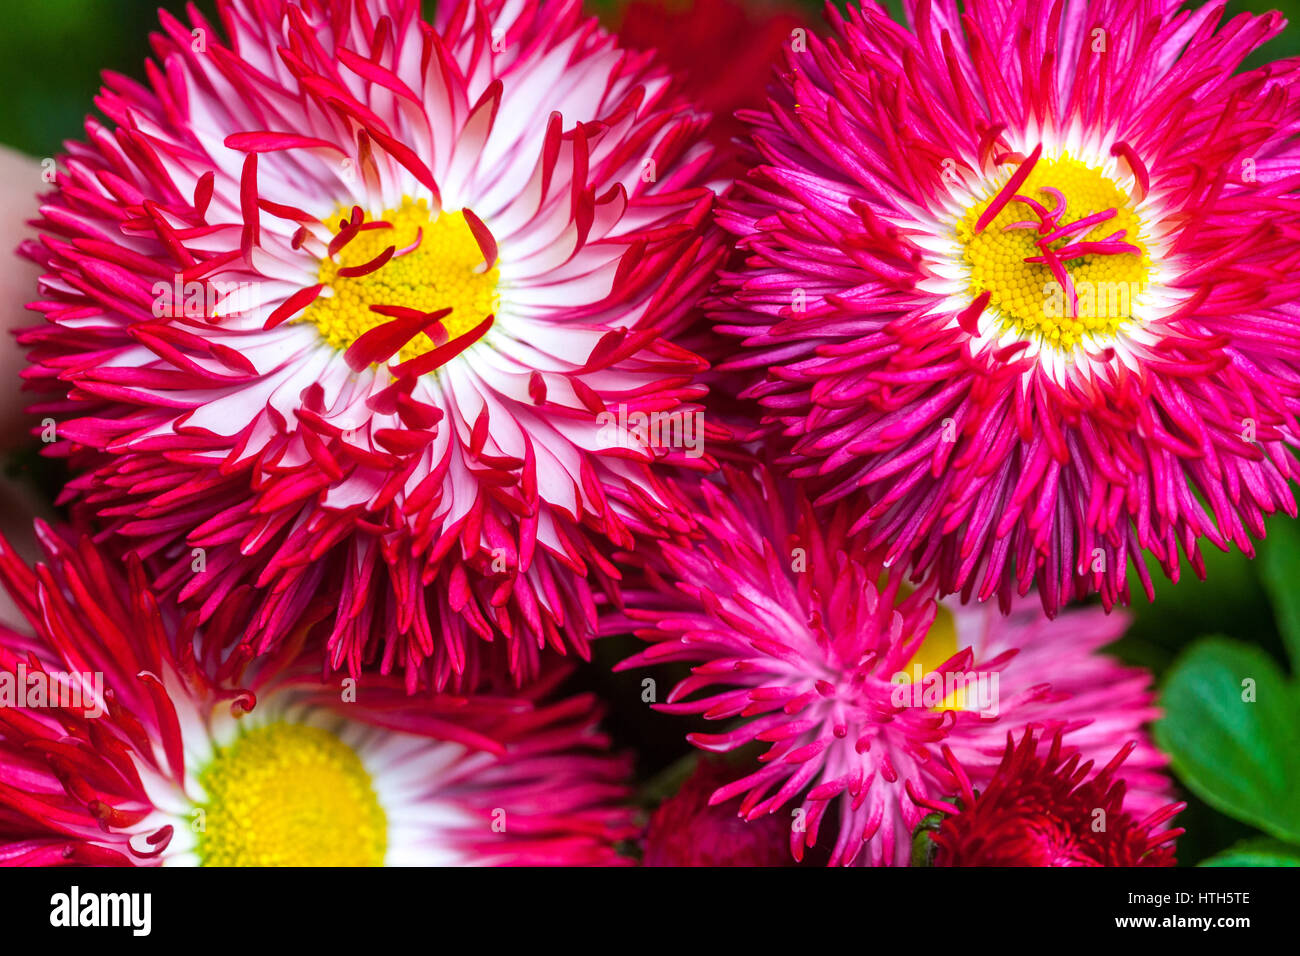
(940, 643)
(444, 270)
(290, 795)
(938, 646)
(1026, 295)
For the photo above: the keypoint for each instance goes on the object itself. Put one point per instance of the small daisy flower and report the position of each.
(1020, 285)
(856, 681)
(1049, 810)
(123, 751)
(347, 304)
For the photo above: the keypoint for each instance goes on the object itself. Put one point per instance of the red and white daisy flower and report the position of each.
(135, 741)
(1021, 286)
(356, 306)
(1049, 810)
(857, 681)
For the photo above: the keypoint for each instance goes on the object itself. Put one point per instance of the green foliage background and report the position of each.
(51, 55)
(51, 52)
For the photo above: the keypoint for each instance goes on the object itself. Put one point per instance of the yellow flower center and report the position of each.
(436, 264)
(1011, 257)
(939, 645)
(290, 795)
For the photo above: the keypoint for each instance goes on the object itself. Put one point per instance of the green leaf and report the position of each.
(1242, 757)
(1279, 561)
(1260, 851)
(923, 839)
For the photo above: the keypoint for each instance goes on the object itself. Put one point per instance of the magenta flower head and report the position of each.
(855, 681)
(1021, 286)
(1049, 809)
(117, 749)
(346, 304)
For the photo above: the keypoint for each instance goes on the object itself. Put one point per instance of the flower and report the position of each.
(723, 51)
(686, 831)
(349, 305)
(857, 681)
(1030, 328)
(1049, 811)
(723, 54)
(137, 743)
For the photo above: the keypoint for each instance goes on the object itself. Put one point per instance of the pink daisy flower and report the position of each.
(1044, 810)
(857, 682)
(350, 305)
(1027, 324)
(128, 738)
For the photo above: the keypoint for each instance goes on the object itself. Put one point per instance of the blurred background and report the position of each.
(51, 55)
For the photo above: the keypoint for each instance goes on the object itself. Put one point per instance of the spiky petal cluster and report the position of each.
(108, 770)
(248, 278)
(686, 830)
(906, 373)
(1050, 810)
(724, 51)
(800, 641)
